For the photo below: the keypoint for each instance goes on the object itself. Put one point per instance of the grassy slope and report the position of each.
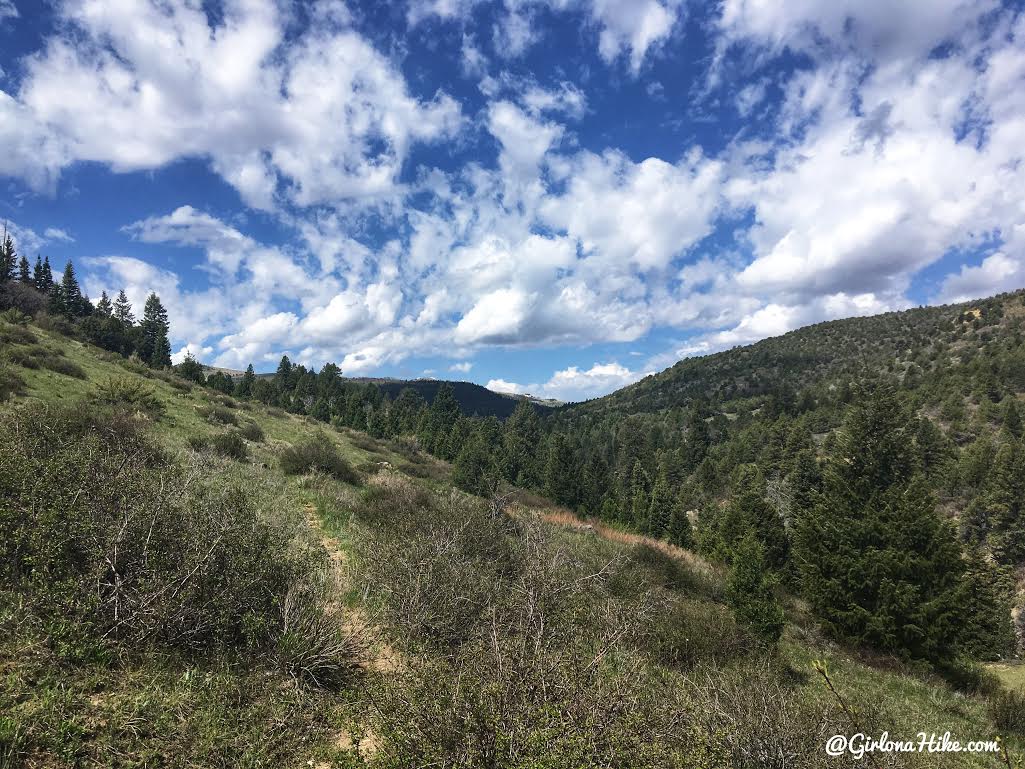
(133, 711)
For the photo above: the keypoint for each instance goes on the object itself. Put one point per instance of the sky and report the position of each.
(546, 196)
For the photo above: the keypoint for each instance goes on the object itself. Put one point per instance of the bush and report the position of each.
(11, 383)
(251, 431)
(63, 366)
(691, 632)
(57, 324)
(130, 395)
(131, 548)
(15, 316)
(16, 296)
(311, 645)
(198, 442)
(12, 335)
(1007, 709)
(317, 453)
(218, 414)
(230, 445)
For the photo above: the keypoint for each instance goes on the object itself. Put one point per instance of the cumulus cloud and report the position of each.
(572, 384)
(325, 118)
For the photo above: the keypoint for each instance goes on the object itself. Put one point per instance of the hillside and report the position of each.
(925, 340)
(473, 399)
(261, 589)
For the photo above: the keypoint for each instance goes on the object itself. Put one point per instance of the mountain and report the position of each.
(473, 399)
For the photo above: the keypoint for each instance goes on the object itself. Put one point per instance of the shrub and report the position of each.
(130, 395)
(135, 366)
(15, 316)
(198, 442)
(251, 431)
(133, 549)
(26, 357)
(11, 383)
(57, 324)
(215, 414)
(63, 366)
(317, 453)
(12, 335)
(311, 645)
(230, 444)
(1007, 709)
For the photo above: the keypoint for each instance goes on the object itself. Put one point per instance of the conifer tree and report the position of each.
(680, 532)
(750, 592)
(123, 309)
(520, 442)
(155, 348)
(244, 388)
(639, 499)
(661, 510)
(475, 469)
(24, 275)
(70, 293)
(876, 517)
(753, 509)
(1012, 418)
(986, 593)
(8, 257)
(103, 307)
(37, 275)
(559, 478)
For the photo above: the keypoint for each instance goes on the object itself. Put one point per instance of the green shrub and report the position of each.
(317, 453)
(11, 383)
(130, 395)
(230, 444)
(1007, 709)
(693, 632)
(15, 317)
(198, 442)
(251, 431)
(26, 357)
(311, 645)
(218, 414)
(129, 547)
(63, 366)
(13, 334)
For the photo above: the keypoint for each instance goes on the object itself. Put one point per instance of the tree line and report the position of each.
(109, 324)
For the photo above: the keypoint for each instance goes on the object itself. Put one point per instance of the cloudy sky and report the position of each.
(554, 196)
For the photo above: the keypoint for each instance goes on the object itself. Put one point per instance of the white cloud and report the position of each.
(54, 233)
(8, 10)
(572, 384)
(326, 118)
(462, 368)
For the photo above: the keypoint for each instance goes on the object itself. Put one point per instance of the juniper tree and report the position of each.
(750, 591)
(878, 564)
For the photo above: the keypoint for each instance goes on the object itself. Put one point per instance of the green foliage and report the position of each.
(191, 369)
(876, 517)
(751, 591)
(219, 415)
(11, 382)
(317, 453)
(130, 395)
(230, 444)
(252, 431)
(476, 469)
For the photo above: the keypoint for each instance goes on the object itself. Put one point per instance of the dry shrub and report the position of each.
(317, 453)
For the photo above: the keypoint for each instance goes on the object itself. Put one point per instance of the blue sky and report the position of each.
(553, 196)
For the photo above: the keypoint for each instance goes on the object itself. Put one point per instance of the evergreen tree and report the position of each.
(520, 440)
(661, 510)
(47, 275)
(750, 592)
(443, 415)
(1012, 418)
(244, 388)
(123, 309)
(559, 476)
(321, 411)
(879, 566)
(986, 594)
(8, 257)
(680, 532)
(475, 469)
(155, 348)
(24, 275)
(37, 275)
(639, 499)
(756, 514)
(103, 307)
(191, 369)
(71, 303)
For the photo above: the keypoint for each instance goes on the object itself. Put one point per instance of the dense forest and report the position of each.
(853, 485)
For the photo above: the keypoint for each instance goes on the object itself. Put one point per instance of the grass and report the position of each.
(63, 703)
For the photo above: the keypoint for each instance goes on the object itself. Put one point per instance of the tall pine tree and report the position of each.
(8, 257)
(123, 309)
(155, 348)
(878, 564)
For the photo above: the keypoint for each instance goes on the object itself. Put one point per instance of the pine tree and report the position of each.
(639, 499)
(661, 510)
(750, 592)
(475, 469)
(753, 509)
(70, 293)
(986, 593)
(8, 257)
(878, 564)
(521, 438)
(37, 275)
(442, 417)
(155, 348)
(559, 475)
(123, 309)
(1012, 418)
(680, 532)
(47, 275)
(24, 275)
(244, 388)
(103, 307)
